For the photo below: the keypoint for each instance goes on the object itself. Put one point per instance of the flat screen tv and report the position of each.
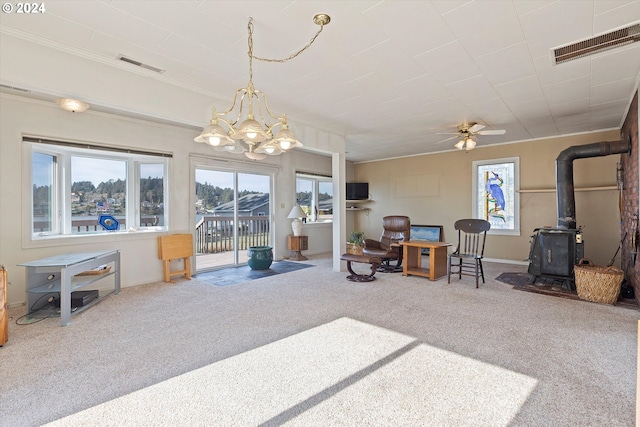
(357, 190)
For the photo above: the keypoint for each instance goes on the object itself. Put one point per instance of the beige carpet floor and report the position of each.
(310, 348)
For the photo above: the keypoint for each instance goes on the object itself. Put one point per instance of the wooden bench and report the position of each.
(364, 259)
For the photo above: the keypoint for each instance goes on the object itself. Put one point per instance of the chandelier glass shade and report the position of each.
(260, 132)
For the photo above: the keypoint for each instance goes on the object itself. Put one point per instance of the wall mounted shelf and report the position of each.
(356, 205)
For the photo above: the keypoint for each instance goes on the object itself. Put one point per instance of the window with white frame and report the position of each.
(314, 194)
(495, 197)
(77, 188)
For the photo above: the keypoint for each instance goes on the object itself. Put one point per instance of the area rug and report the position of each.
(234, 275)
(515, 279)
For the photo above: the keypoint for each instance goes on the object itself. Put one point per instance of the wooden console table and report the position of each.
(61, 274)
(412, 250)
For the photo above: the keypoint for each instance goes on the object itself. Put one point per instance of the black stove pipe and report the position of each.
(564, 175)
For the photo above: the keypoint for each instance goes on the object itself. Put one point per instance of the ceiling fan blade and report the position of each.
(475, 128)
(448, 133)
(448, 139)
(492, 132)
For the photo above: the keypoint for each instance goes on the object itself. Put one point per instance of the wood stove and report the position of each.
(554, 251)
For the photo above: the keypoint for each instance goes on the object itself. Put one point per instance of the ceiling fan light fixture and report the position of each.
(468, 130)
(466, 143)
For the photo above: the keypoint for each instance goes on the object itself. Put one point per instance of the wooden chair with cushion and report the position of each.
(467, 258)
(395, 229)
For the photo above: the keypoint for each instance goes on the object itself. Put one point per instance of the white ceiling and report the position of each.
(390, 76)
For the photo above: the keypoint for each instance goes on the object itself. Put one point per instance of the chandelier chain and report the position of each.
(293, 55)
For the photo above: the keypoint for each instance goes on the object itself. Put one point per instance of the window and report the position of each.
(314, 194)
(496, 194)
(72, 185)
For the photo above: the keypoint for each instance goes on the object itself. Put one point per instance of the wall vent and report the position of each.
(613, 39)
(19, 89)
(140, 64)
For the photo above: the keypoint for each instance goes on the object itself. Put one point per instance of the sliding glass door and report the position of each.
(232, 213)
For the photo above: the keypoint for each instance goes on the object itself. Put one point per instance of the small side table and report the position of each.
(295, 244)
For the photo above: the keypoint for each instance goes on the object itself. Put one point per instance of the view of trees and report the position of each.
(107, 197)
(152, 195)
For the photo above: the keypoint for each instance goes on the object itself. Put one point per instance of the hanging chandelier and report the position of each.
(254, 135)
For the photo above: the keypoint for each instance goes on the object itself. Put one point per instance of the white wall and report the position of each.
(19, 116)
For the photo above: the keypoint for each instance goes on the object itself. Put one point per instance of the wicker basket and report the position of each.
(598, 284)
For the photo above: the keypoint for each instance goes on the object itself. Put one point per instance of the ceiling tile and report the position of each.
(50, 27)
(481, 29)
(557, 24)
(619, 89)
(472, 90)
(548, 73)
(611, 15)
(574, 107)
(524, 7)
(190, 23)
(521, 90)
(616, 64)
(187, 52)
(422, 30)
(398, 67)
(448, 64)
(530, 108)
(102, 17)
(505, 65)
(567, 90)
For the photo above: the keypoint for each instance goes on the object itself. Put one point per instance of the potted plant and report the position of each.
(355, 242)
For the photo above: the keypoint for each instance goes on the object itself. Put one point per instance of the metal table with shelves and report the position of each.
(61, 274)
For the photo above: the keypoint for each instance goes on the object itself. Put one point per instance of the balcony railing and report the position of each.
(215, 233)
(90, 225)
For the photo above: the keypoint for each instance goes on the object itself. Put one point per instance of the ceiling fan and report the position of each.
(466, 131)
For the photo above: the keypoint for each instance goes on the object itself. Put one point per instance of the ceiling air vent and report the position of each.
(19, 89)
(617, 38)
(140, 64)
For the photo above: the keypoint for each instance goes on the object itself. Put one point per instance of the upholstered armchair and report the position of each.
(395, 229)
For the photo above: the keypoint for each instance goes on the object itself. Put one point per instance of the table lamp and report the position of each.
(296, 225)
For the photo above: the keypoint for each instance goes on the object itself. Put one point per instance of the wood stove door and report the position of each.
(557, 253)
